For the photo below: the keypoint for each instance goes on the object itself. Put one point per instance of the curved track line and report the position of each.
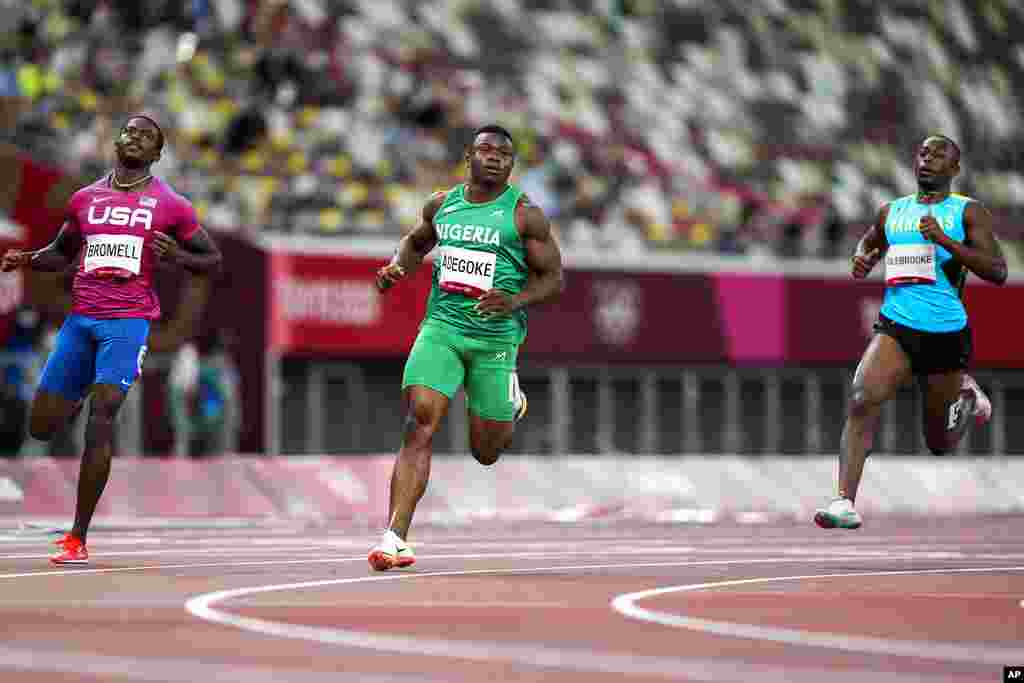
(534, 655)
(625, 604)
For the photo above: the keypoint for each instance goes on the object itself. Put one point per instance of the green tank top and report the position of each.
(478, 248)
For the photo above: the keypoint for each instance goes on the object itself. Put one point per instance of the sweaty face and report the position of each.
(138, 143)
(936, 164)
(491, 158)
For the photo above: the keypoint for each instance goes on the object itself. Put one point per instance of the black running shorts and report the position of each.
(930, 352)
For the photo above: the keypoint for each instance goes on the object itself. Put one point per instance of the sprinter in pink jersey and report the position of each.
(114, 231)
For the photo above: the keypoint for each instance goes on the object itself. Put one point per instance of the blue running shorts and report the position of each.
(91, 351)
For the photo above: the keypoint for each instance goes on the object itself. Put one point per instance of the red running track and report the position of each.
(899, 600)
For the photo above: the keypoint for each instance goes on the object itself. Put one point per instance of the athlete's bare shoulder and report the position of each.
(434, 202)
(883, 213)
(530, 218)
(973, 205)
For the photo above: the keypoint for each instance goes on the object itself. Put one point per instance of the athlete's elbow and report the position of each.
(999, 275)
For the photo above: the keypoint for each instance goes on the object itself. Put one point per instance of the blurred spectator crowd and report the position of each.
(756, 127)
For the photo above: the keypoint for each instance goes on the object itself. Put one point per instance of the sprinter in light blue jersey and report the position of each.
(929, 241)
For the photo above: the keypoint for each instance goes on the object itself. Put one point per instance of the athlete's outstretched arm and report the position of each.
(979, 252)
(543, 257)
(54, 257)
(871, 246)
(198, 254)
(413, 247)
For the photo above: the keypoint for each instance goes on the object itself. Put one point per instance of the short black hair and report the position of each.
(948, 140)
(159, 130)
(493, 128)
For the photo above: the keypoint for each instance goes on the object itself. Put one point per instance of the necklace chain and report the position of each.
(125, 186)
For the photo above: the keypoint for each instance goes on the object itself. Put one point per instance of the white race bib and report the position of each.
(910, 264)
(113, 255)
(466, 271)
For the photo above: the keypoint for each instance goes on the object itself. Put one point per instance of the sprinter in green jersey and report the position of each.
(494, 255)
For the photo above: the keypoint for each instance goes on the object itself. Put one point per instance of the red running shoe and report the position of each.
(73, 551)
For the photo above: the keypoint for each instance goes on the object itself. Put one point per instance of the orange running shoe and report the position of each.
(73, 551)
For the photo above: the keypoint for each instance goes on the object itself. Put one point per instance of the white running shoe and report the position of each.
(838, 515)
(982, 404)
(391, 552)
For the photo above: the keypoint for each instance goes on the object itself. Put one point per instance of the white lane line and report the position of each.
(227, 564)
(547, 550)
(75, 571)
(72, 571)
(318, 559)
(166, 670)
(534, 655)
(166, 551)
(625, 604)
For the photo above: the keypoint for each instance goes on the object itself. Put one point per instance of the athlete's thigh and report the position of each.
(70, 368)
(435, 362)
(940, 390)
(492, 386)
(883, 369)
(49, 413)
(121, 350)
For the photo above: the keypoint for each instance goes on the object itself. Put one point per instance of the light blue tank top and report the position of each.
(930, 307)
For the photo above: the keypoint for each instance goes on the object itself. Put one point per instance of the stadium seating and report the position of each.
(761, 127)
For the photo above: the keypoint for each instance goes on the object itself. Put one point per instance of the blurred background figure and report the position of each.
(203, 400)
(20, 362)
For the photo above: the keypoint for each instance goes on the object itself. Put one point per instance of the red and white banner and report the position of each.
(330, 304)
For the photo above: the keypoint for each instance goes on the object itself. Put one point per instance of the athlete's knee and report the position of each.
(941, 441)
(42, 428)
(99, 430)
(862, 402)
(421, 423)
(487, 445)
(486, 456)
(940, 445)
